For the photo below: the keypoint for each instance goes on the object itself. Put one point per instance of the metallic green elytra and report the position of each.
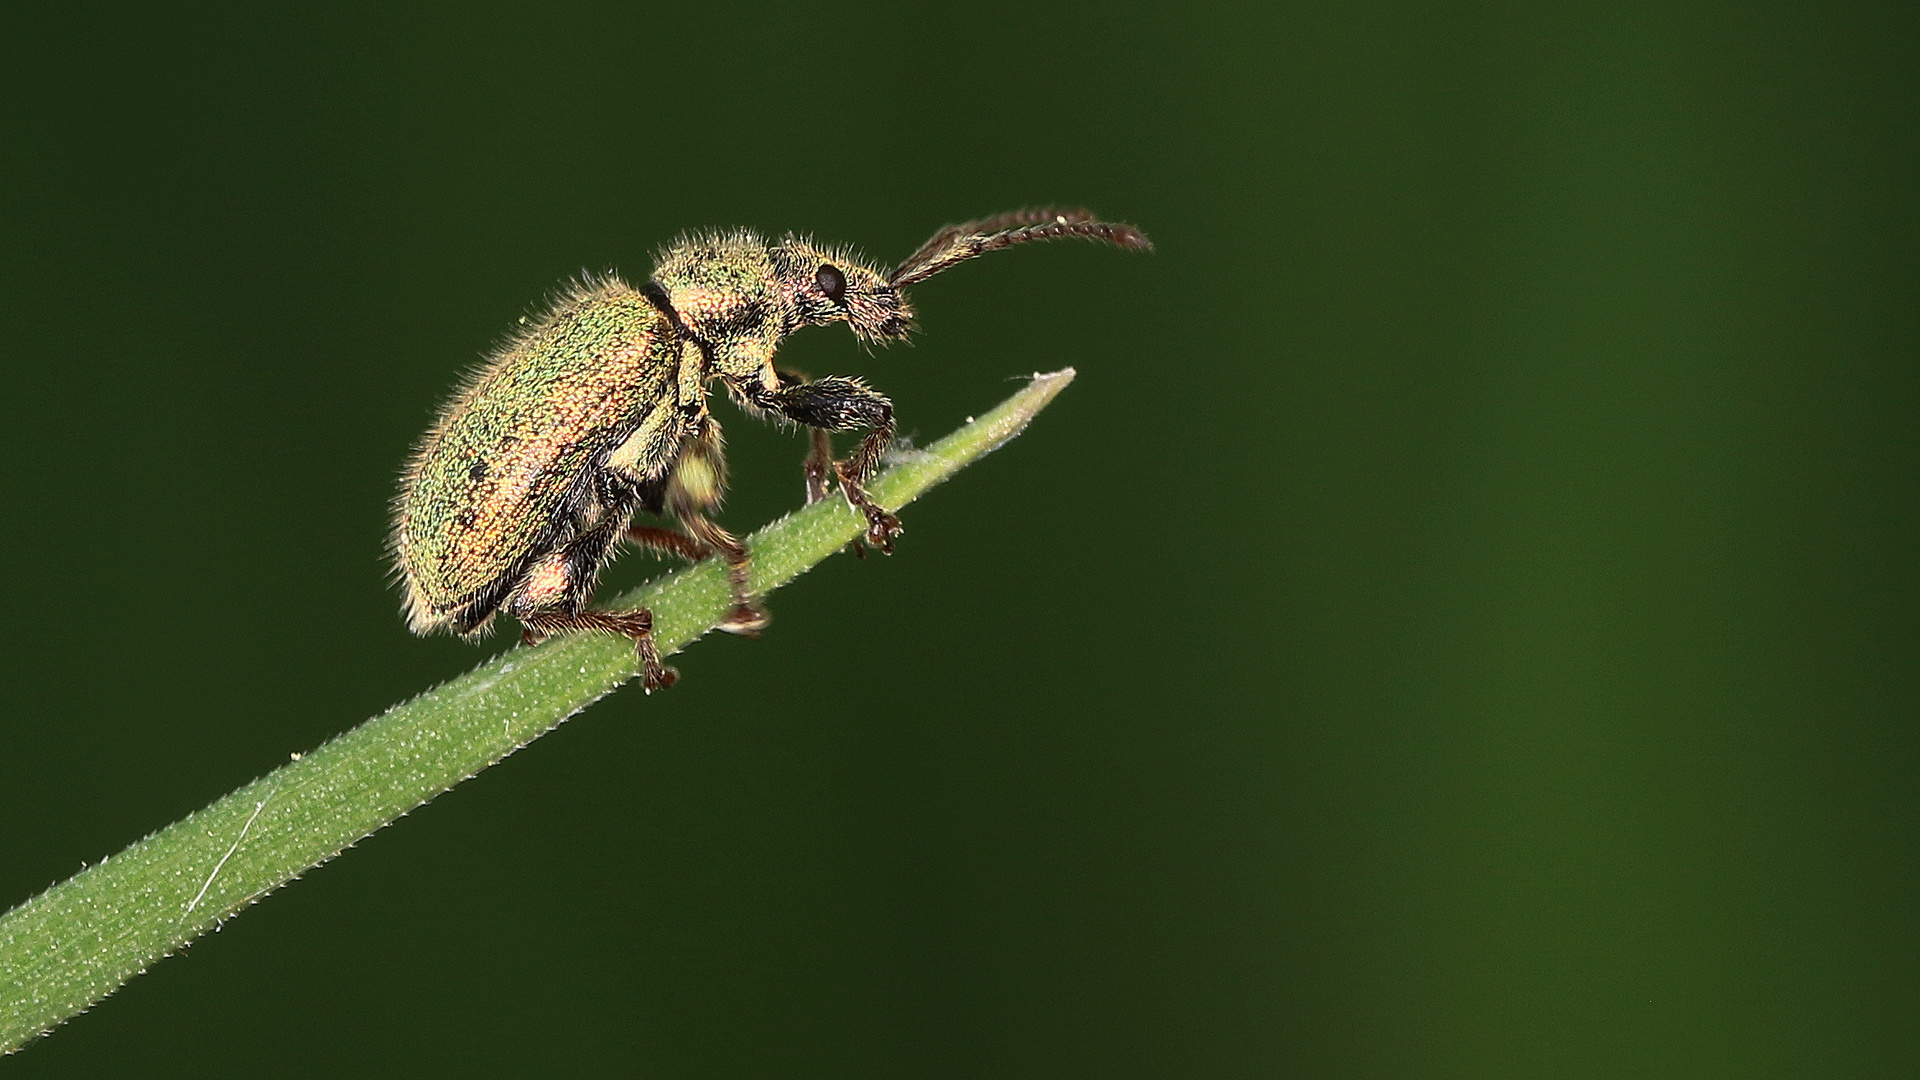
(529, 480)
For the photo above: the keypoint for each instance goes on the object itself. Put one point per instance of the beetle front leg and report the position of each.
(837, 403)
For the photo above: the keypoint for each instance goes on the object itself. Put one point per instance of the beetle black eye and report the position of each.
(833, 283)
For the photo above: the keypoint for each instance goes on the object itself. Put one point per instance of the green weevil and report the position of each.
(529, 480)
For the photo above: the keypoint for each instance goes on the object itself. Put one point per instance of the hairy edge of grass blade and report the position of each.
(79, 941)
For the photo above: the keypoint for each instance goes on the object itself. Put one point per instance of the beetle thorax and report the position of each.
(722, 292)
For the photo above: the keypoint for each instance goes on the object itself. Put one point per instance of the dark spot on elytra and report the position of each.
(464, 519)
(477, 471)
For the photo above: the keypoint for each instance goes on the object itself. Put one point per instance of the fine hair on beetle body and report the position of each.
(529, 480)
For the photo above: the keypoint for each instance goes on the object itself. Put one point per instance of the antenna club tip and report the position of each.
(1127, 236)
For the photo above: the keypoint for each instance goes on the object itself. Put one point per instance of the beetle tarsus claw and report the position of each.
(654, 675)
(746, 620)
(658, 677)
(882, 527)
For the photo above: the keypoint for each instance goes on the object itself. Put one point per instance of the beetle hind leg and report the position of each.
(537, 626)
(552, 599)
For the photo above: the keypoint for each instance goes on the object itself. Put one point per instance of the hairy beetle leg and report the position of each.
(747, 617)
(819, 464)
(537, 626)
(818, 467)
(671, 541)
(694, 487)
(838, 403)
(882, 526)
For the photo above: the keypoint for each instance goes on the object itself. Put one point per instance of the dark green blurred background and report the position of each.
(1460, 623)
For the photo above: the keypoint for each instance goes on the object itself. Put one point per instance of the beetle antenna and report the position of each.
(958, 243)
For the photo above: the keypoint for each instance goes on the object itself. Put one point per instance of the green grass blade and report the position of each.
(82, 939)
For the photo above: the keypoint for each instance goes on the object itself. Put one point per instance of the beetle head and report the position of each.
(823, 286)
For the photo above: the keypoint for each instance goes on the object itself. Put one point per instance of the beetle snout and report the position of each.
(881, 315)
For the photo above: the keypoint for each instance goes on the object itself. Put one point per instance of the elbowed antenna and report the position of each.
(958, 243)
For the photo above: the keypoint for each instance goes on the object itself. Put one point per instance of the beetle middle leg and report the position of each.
(695, 486)
(819, 463)
(671, 541)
